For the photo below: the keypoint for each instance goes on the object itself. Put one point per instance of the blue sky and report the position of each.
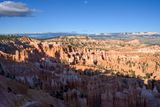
(81, 16)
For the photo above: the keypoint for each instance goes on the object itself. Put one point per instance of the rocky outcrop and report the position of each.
(78, 72)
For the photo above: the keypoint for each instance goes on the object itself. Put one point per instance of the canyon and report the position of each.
(78, 71)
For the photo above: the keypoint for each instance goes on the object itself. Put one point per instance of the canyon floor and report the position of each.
(78, 71)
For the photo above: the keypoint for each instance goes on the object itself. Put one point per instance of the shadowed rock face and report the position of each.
(78, 72)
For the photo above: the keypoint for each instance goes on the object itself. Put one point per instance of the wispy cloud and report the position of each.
(14, 9)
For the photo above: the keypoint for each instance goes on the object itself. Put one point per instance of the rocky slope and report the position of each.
(79, 72)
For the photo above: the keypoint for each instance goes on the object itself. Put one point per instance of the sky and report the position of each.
(81, 16)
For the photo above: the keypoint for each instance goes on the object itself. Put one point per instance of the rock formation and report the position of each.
(78, 72)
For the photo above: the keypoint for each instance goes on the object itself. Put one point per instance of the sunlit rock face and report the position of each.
(78, 72)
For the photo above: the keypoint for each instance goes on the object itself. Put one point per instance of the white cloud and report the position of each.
(14, 9)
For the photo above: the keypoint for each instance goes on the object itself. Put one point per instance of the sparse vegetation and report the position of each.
(132, 73)
(8, 37)
(148, 75)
